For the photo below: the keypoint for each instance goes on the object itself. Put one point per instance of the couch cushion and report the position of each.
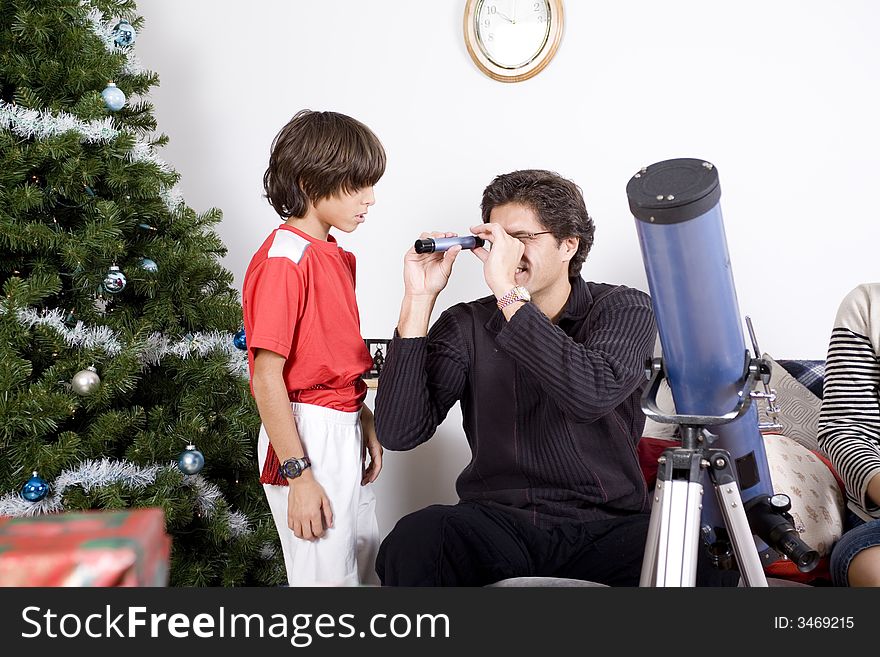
(817, 497)
(809, 373)
(798, 407)
(659, 429)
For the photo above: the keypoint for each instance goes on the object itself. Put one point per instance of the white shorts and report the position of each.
(346, 554)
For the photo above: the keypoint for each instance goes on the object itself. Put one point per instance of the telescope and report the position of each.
(712, 376)
(438, 244)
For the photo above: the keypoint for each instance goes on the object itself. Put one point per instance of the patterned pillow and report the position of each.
(658, 429)
(809, 373)
(817, 501)
(816, 492)
(798, 407)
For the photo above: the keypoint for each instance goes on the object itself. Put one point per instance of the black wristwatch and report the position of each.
(293, 468)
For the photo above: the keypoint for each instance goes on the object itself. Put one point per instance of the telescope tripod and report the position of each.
(674, 529)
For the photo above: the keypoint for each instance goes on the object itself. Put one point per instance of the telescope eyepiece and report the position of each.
(776, 528)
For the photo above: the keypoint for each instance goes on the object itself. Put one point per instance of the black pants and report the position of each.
(471, 544)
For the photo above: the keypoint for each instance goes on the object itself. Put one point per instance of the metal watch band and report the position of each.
(512, 296)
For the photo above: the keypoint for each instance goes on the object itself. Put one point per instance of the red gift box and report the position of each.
(85, 548)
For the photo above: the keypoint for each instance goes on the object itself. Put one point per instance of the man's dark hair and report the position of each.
(318, 155)
(558, 202)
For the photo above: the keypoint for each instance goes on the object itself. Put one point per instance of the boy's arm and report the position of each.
(371, 445)
(308, 509)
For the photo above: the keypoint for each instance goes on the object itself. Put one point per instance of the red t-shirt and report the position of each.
(298, 301)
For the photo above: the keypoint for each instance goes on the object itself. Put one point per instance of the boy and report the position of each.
(306, 355)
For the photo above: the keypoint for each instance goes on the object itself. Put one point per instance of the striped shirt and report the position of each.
(551, 411)
(849, 422)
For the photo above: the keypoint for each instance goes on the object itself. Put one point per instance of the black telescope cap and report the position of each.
(673, 191)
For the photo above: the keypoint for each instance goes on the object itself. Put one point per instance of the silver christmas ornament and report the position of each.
(114, 280)
(85, 382)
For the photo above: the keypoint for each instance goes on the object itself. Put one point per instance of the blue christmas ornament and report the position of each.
(123, 34)
(191, 461)
(113, 97)
(239, 340)
(149, 265)
(35, 489)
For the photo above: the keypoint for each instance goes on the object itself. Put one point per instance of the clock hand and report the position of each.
(505, 17)
(514, 12)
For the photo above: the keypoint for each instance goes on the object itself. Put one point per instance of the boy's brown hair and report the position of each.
(318, 155)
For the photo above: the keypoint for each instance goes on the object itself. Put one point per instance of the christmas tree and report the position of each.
(122, 369)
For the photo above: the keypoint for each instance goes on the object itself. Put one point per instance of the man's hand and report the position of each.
(426, 274)
(424, 277)
(499, 263)
(308, 508)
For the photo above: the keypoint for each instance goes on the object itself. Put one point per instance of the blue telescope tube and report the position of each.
(684, 249)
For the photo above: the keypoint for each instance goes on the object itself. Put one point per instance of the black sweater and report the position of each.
(551, 412)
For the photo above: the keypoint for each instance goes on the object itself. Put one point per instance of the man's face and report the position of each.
(544, 263)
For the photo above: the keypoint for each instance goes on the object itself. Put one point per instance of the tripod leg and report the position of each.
(649, 561)
(730, 503)
(673, 532)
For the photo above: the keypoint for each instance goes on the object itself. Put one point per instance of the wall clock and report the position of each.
(512, 40)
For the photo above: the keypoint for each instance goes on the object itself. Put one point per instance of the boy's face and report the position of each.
(345, 211)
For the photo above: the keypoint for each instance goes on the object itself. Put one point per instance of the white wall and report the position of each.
(781, 96)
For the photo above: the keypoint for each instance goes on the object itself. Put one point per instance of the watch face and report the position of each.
(292, 468)
(512, 33)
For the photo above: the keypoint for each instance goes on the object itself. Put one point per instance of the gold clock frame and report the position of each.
(532, 68)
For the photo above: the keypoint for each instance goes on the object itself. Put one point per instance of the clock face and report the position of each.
(512, 33)
(512, 40)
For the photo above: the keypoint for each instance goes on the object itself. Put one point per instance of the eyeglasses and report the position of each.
(525, 238)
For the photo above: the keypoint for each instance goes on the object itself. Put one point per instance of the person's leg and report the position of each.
(330, 439)
(366, 544)
(461, 545)
(864, 569)
(367, 536)
(611, 552)
(855, 559)
(605, 551)
(332, 442)
(277, 498)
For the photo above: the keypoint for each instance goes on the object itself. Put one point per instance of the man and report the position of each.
(549, 371)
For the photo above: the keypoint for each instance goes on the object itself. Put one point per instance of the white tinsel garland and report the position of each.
(93, 474)
(156, 347)
(30, 123)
